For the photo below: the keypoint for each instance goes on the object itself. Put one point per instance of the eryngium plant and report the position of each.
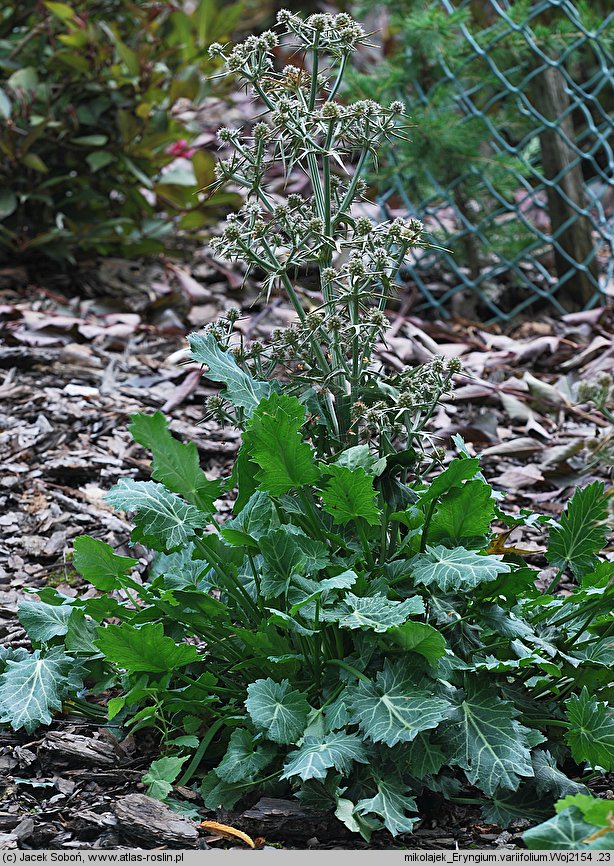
(308, 133)
(354, 636)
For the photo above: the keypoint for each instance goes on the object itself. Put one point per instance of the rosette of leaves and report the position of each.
(89, 129)
(354, 635)
(323, 645)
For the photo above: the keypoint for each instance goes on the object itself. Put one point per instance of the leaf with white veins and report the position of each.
(316, 756)
(393, 709)
(31, 688)
(164, 521)
(456, 570)
(278, 709)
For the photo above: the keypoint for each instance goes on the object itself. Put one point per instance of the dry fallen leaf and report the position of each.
(227, 832)
(498, 546)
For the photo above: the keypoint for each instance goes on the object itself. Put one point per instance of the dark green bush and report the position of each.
(90, 123)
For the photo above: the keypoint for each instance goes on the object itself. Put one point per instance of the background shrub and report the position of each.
(91, 124)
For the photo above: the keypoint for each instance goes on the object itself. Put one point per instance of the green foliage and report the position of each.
(89, 128)
(581, 823)
(353, 635)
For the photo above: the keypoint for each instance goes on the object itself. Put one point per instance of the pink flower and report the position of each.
(181, 148)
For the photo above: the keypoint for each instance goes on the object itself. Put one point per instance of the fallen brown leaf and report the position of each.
(227, 832)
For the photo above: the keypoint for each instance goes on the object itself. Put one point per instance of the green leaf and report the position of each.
(423, 757)
(91, 140)
(522, 805)
(161, 774)
(464, 512)
(374, 612)
(391, 804)
(257, 517)
(144, 649)
(61, 10)
(275, 443)
(81, 634)
(582, 531)
(549, 779)
(218, 794)
(277, 709)
(243, 759)
(393, 709)
(25, 78)
(456, 570)
(164, 521)
(180, 569)
(488, 743)
(99, 159)
(354, 822)
(594, 810)
(591, 733)
(419, 637)
(564, 832)
(5, 112)
(283, 557)
(176, 465)
(99, 564)
(8, 199)
(44, 621)
(317, 755)
(457, 472)
(32, 687)
(241, 390)
(361, 457)
(33, 161)
(349, 494)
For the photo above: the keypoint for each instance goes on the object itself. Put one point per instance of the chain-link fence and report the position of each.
(530, 222)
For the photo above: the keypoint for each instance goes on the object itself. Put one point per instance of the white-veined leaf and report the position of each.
(456, 569)
(278, 709)
(393, 709)
(241, 389)
(164, 520)
(244, 759)
(374, 612)
(488, 743)
(32, 688)
(391, 804)
(317, 755)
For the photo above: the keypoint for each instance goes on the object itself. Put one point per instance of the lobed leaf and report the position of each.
(488, 743)
(391, 804)
(374, 612)
(176, 465)
(349, 495)
(274, 441)
(161, 774)
(44, 621)
(164, 521)
(241, 390)
(316, 756)
(456, 570)
(32, 687)
(393, 709)
(567, 831)
(244, 759)
(277, 709)
(582, 531)
(591, 733)
(463, 513)
(145, 648)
